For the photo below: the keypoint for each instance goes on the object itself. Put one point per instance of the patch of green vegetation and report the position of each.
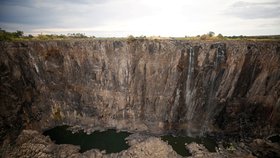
(255, 38)
(131, 38)
(9, 36)
(49, 37)
(19, 36)
(78, 35)
(111, 38)
(231, 148)
(210, 36)
(57, 113)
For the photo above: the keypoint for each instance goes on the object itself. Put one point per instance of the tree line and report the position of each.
(19, 35)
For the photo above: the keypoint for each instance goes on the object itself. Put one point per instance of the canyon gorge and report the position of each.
(229, 90)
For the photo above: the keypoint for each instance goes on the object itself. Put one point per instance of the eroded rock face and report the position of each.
(226, 87)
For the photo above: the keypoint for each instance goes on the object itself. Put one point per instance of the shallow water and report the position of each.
(178, 143)
(113, 141)
(275, 139)
(109, 140)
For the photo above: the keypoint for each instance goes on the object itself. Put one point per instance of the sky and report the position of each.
(121, 18)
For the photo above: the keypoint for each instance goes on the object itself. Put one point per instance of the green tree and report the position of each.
(77, 35)
(211, 34)
(220, 36)
(18, 34)
(131, 38)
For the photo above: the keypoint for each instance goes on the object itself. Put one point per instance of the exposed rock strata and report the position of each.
(231, 87)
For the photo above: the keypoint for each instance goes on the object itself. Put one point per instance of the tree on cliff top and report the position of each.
(7, 36)
(211, 34)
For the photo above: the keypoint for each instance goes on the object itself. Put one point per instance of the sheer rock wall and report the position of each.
(229, 87)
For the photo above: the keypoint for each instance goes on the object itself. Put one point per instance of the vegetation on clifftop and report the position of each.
(210, 36)
(19, 36)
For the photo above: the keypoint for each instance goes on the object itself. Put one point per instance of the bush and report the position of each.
(220, 36)
(18, 34)
(8, 36)
(77, 35)
(131, 38)
(44, 37)
(211, 34)
(203, 37)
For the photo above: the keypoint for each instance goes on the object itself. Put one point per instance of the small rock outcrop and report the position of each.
(199, 151)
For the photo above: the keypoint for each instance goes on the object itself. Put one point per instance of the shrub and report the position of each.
(8, 36)
(203, 37)
(220, 36)
(211, 34)
(77, 35)
(130, 38)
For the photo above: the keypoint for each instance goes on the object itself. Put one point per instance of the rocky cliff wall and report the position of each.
(229, 87)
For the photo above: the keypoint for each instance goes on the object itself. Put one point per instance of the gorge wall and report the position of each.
(192, 87)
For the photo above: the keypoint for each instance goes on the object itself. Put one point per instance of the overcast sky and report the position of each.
(107, 18)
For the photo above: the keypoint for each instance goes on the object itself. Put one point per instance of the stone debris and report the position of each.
(32, 144)
(199, 151)
(136, 138)
(264, 148)
(150, 148)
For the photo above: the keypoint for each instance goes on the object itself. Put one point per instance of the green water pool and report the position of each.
(113, 141)
(109, 140)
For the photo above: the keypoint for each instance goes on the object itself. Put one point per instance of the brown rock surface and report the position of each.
(228, 87)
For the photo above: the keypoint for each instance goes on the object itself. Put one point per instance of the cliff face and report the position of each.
(146, 85)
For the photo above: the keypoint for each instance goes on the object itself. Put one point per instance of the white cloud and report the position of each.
(145, 17)
(253, 10)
